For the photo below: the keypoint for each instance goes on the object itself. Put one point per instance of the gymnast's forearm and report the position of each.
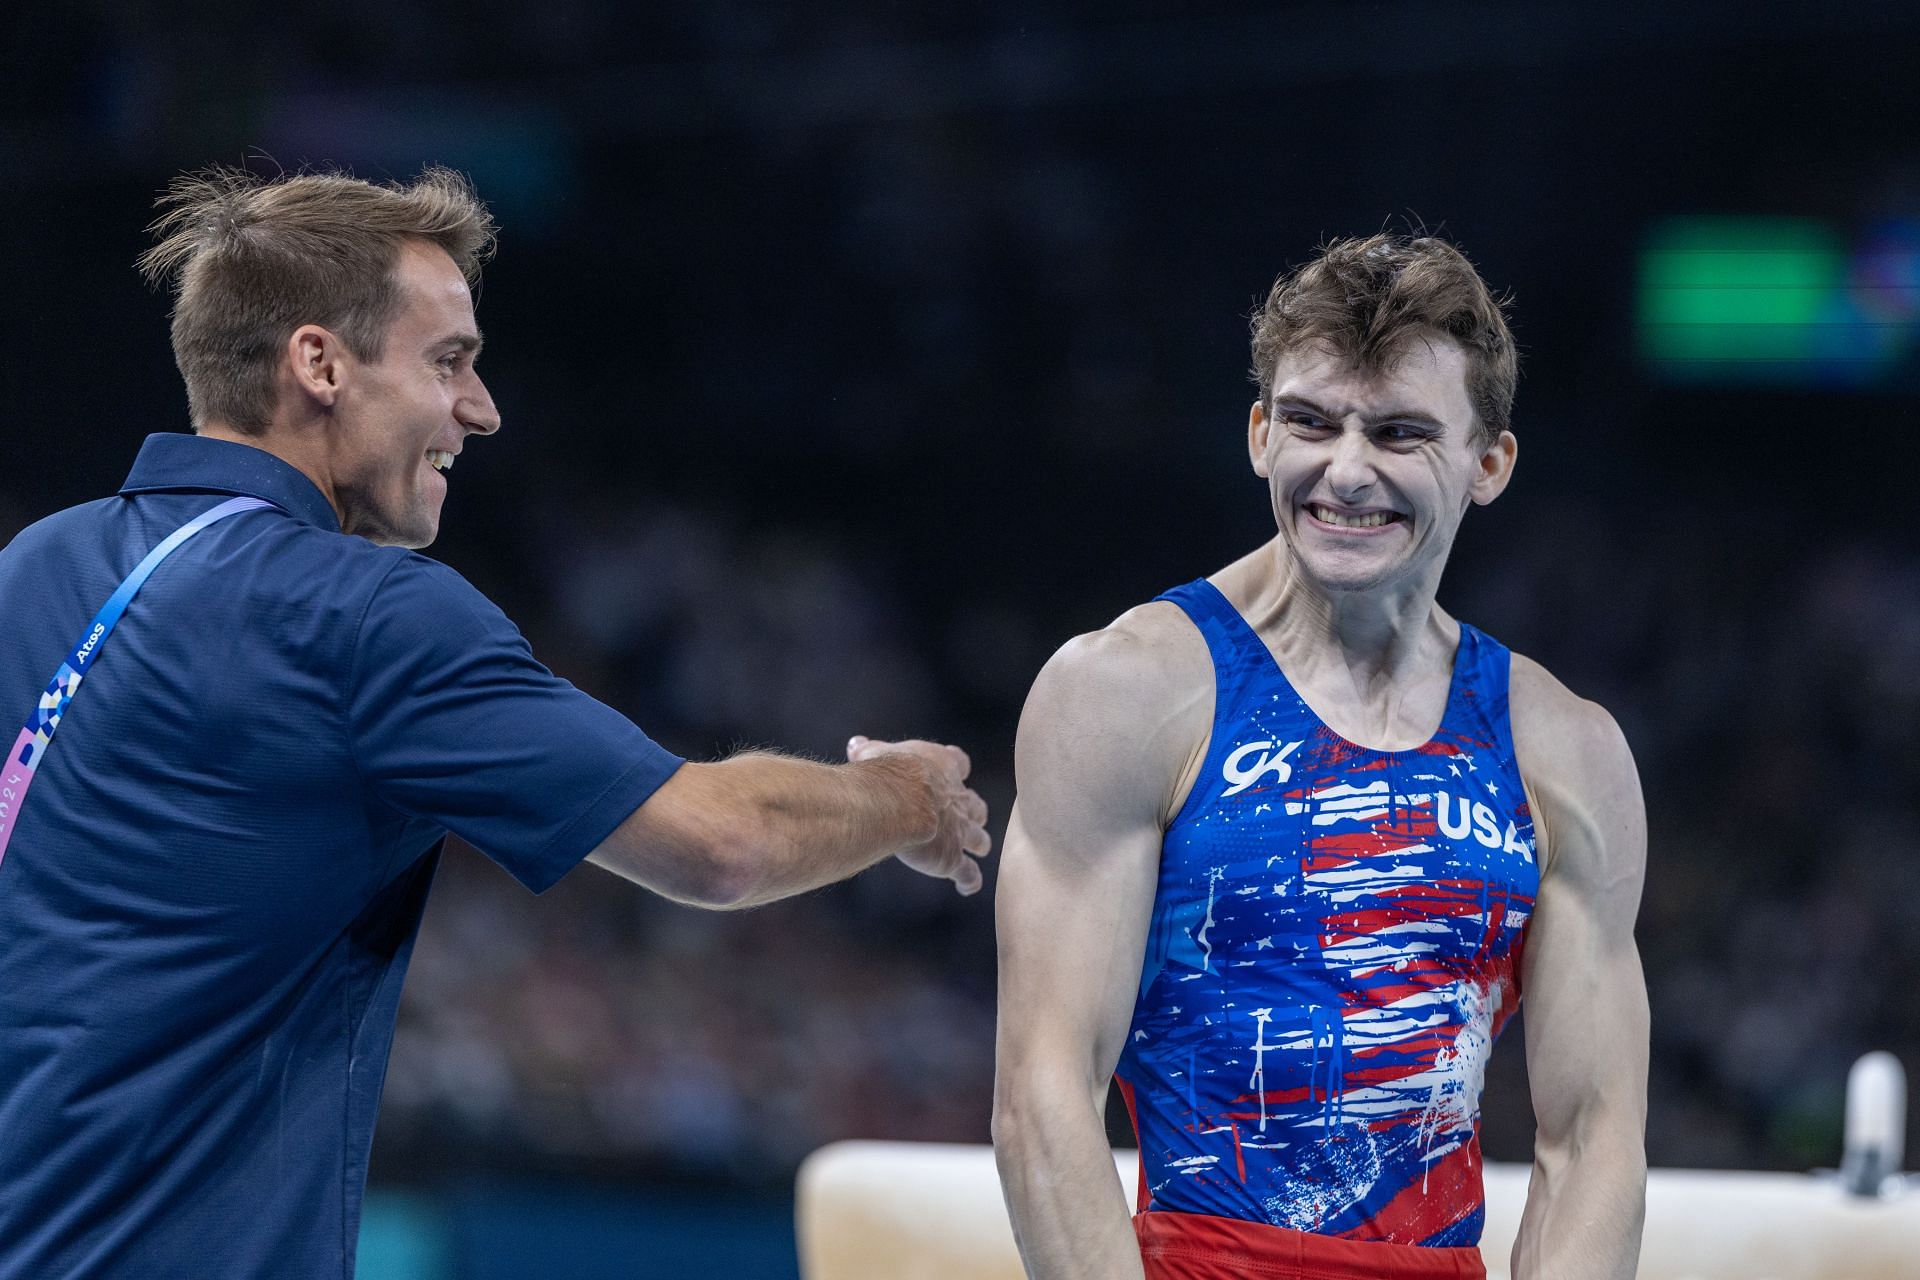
(1586, 1203)
(1068, 1208)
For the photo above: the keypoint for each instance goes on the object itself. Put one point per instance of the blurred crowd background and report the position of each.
(853, 356)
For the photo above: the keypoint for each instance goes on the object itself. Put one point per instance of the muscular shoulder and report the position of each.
(1575, 761)
(1147, 661)
(1117, 713)
(1556, 731)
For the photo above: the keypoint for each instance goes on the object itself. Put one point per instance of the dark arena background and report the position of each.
(854, 356)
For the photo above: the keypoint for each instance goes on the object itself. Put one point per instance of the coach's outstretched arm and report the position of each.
(1103, 741)
(1586, 999)
(759, 826)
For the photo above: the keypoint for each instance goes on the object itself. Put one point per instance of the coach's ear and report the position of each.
(315, 357)
(1495, 469)
(1259, 429)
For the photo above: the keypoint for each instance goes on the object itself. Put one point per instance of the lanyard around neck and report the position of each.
(16, 774)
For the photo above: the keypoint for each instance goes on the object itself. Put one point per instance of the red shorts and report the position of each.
(1193, 1246)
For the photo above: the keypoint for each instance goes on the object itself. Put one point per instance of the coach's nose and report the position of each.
(475, 410)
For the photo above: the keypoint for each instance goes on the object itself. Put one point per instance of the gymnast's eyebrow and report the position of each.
(1409, 417)
(1412, 417)
(1301, 402)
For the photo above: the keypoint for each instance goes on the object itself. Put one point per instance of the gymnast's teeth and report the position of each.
(440, 459)
(1340, 519)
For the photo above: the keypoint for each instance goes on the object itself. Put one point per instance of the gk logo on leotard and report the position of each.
(1242, 776)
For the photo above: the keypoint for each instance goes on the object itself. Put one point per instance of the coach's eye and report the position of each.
(1305, 422)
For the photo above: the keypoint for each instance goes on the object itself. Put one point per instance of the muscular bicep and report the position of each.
(1586, 1002)
(1107, 729)
(1072, 912)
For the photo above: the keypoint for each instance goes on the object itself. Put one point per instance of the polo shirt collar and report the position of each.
(170, 460)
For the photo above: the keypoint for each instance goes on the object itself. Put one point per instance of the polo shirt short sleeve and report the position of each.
(453, 721)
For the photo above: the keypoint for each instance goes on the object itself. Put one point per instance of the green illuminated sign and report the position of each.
(1757, 299)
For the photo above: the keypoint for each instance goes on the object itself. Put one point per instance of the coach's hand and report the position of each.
(962, 833)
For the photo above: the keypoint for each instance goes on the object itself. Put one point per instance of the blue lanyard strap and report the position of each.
(17, 774)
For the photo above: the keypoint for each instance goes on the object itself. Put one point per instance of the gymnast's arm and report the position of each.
(759, 826)
(1106, 731)
(1586, 1000)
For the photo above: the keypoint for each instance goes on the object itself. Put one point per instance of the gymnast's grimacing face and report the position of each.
(1371, 472)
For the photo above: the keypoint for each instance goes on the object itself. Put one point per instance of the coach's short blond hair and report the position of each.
(1362, 299)
(251, 259)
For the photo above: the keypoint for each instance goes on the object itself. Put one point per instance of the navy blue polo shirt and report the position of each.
(214, 885)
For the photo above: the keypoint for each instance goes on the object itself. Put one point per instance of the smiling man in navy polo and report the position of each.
(211, 879)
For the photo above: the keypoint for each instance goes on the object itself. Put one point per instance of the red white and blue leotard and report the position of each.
(1335, 944)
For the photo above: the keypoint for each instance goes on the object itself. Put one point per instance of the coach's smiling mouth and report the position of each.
(440, 459)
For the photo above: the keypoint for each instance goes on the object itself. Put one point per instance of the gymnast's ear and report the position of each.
(1259, 430)
(1494, 469)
